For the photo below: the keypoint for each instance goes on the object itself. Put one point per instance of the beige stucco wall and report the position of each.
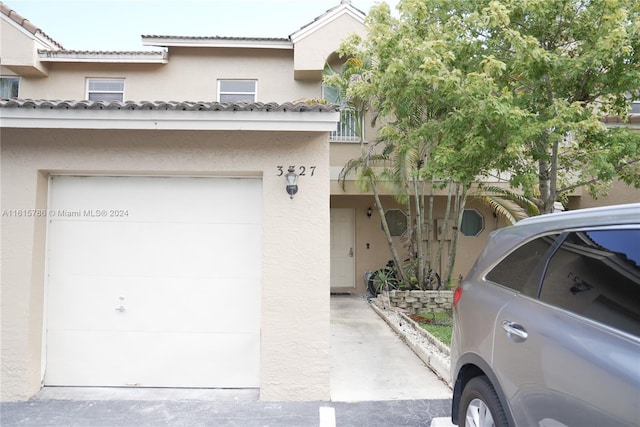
(619, 193)
(19, 49)
(313, 49)
(372, 250)
(190, 75)
(296, 263)
(16, 47)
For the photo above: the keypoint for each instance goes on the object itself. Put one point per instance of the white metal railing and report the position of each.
(347, 129)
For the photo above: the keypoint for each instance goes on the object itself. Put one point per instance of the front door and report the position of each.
(342, 248)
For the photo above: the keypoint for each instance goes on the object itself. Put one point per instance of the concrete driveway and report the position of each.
(370, 362)
(376, 381)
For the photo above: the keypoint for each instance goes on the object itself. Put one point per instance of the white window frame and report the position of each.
(221, 93)
(14, 78)
(464, 224)
(89, 91)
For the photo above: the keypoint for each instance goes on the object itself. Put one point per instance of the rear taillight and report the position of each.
(457, 294)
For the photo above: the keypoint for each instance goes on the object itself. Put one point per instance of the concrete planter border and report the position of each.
(438, 361)
(414, 302)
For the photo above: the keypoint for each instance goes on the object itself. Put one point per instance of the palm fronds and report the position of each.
(506, 203)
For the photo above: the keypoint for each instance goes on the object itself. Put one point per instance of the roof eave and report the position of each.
(104, 57)
(218, 42)
(171, 120)
(328, 16)
(23, 24)
(632, 121)
(300, 117)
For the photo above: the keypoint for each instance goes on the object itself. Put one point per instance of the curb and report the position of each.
(438, 364)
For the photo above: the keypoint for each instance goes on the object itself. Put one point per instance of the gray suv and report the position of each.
(547, 324)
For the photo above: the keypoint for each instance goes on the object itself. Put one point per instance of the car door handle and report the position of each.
(514, 331)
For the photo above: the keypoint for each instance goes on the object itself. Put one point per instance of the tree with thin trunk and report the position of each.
(469, 88)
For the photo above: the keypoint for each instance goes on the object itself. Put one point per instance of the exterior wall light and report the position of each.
(292, 182)
(369, 212)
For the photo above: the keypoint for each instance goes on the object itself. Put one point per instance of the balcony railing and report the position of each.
(347, 129)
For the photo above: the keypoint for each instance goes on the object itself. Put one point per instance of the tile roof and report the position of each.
(99, 52)
(632, 118)
(217, 38)
(161, 56)
(162, 105)
(343, 4)
(216, 41)
(26, 24)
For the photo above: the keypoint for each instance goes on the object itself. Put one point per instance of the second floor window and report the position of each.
(237, 90)
(9, 87)
(105, 89)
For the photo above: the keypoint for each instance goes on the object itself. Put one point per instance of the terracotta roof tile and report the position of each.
(100, 52)
(217, 38)
(162, 105)
(26, 24)
(632, 118)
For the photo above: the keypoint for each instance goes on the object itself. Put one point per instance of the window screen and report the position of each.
(105, 90)
(596, 274)
(397, 222)
(237, 90)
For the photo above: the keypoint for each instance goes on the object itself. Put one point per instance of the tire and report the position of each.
(376, 284)
(480, 405)
(371, 284)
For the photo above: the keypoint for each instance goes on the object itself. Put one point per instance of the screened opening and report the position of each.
(397, 222)
(237, 90)
(472, 223)
(105, 89)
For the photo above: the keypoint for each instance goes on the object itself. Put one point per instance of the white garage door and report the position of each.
(154, 282)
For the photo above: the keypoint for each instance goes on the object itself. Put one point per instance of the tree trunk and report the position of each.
(419, 221)
(429, 250)
(445, 227)
(385, 227)
(545, 183)
(462, 201)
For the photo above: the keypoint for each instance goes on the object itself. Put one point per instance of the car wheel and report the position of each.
(480, 406)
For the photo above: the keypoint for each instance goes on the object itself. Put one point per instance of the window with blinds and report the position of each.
(105, 89)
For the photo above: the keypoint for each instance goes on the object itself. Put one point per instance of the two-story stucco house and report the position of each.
(149, 236)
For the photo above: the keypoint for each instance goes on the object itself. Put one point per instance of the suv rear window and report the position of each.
(597, 274)
(518, 270)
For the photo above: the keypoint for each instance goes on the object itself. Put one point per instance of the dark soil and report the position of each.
(420, 319)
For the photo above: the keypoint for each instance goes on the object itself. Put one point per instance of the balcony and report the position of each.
(347, 128)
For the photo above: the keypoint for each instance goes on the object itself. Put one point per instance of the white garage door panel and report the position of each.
(122, 248)
(165, 296)
(163, 199)
(151, 304)
(153, 360)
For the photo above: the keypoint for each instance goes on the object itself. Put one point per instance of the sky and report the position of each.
(118, 24)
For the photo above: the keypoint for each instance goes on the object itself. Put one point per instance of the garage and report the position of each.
(153, 281)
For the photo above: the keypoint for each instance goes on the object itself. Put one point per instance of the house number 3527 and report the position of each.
(302, 170)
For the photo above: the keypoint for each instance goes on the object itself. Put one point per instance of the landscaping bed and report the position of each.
(440, 325)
